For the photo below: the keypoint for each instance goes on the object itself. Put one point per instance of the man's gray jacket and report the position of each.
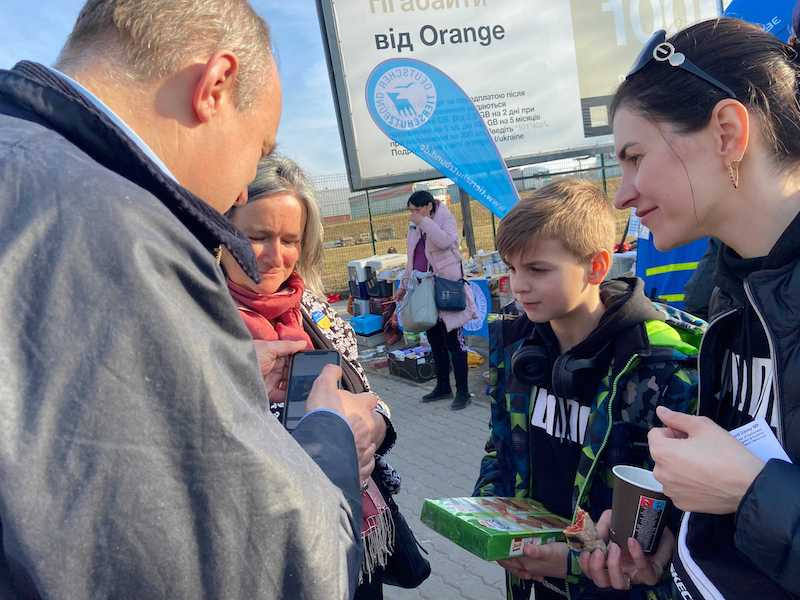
(137, 459)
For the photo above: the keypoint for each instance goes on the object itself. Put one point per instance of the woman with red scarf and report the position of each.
(283, 223)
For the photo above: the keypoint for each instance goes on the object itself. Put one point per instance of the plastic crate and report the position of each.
(377, 305)
(378, 288)
(357, 270)
(371, 341)
(367, 324)
(358, 290)
(360, 307)
(419, 369)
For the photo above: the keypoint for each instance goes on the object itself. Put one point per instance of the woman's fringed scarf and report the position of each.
(277, 317)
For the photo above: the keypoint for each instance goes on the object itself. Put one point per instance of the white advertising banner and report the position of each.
(540, 72)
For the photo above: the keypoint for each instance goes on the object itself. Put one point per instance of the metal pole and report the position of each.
(466, 213)
(494, 232)
(603, 171)
(371, 230)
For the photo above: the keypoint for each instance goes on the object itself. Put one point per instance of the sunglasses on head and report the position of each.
(659, 49)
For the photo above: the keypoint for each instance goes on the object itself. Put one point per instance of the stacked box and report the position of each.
(358, 289)
(361, 307)
(415, 363)
(367, 324)
(371, 341)
(493, 528)
(377, 305)
(378, 288)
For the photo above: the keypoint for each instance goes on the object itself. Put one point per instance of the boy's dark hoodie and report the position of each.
(558, 446)
(647, 355)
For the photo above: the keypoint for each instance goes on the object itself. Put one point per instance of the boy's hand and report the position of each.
(621, 569)
(538, 562)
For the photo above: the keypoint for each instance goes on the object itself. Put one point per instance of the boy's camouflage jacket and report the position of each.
(654, 364)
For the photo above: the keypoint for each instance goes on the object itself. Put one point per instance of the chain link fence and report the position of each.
(362, 224)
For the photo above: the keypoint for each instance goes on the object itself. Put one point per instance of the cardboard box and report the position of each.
(493, 528)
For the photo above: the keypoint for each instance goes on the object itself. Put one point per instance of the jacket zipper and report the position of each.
(689, 571)
(611, 397)
(716, 319)
(699, 585)
(752, 301)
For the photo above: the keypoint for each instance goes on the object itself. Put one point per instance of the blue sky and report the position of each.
(308, 131)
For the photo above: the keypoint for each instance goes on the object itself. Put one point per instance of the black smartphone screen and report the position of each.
(304, 370)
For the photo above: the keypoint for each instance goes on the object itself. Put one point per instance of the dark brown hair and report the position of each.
(756, 65)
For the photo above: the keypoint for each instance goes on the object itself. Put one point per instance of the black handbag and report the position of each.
(448, 294)
(405, 567)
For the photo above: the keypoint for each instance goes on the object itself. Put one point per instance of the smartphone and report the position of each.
(303, 371)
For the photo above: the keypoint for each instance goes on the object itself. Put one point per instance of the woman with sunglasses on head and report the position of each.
(707, 130)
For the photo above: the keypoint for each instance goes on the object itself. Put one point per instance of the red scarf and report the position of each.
(273, 316)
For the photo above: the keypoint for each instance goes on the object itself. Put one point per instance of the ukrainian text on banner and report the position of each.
(774, 16)
(419, 107)
(542, 73)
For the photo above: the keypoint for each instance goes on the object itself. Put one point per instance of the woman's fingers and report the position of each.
(644, 568)
(619, 581)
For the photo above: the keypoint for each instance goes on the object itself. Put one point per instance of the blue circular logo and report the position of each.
(405, 98)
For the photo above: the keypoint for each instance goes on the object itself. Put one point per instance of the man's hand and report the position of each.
(273, 358)
(702, 467)
(538, 562)
(621, 569)
(357, 409)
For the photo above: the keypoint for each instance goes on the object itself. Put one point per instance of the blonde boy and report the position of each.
(576, 379)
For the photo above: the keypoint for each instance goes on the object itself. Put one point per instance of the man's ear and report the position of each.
(241, 199)
(216, 85)
(599, 266)
(730, 125)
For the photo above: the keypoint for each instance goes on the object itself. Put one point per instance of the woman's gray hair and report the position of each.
(281, 175)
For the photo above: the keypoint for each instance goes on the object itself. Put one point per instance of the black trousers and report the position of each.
(446, 348)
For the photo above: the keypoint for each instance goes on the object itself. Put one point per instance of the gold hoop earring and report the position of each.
(733, 172)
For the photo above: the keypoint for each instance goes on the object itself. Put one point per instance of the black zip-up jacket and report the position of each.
(137, 459)
(766, 526)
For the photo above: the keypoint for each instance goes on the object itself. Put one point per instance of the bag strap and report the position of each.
(350, 379)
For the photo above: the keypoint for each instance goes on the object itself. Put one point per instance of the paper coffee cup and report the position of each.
(639, 508)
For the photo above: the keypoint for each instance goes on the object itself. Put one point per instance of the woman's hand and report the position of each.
(400, 294)
(273, 359)
(539, 561)
(417, 213)
(620, 569)
(702, 467)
